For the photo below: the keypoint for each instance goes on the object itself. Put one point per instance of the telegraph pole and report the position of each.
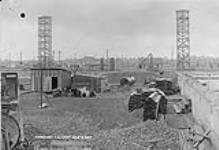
(20, 57)
(53, 55)
(41, 83)
(10, 59)
(107, 59)
(59, 57)
(75, 58)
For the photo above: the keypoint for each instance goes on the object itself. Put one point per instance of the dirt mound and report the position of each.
(150, 134)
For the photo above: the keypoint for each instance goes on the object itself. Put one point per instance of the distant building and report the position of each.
(101, 64)
(112, 64)
(53, 78)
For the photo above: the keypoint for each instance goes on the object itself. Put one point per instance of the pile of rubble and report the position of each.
(148, 135)
(166, 85)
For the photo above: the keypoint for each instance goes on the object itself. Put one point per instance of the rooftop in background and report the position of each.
(209, 80)
(51, 68)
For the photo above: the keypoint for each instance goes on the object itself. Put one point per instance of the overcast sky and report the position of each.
(131, 28)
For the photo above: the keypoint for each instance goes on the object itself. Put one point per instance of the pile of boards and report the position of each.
(183, 106)
(148, 135)
(153, 101)
(163, 84)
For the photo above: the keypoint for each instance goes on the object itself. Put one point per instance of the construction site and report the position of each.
(108, 102)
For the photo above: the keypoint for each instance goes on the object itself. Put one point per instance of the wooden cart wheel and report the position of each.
(11, 126)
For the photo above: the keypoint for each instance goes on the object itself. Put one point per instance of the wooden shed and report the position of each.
(92, 82)
(52, 78)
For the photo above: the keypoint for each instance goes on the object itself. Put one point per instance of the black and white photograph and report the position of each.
(109, 74)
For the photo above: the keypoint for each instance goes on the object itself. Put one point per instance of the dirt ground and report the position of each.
(103, 112)
(104, 117)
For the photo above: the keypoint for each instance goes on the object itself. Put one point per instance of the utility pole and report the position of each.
(41, 82)
(41, 87)
(75, 58)
(107, 59)
(122, 62)
(10, 59)
(33, 56)
(20, 57)
(53, 55)
(59, 57)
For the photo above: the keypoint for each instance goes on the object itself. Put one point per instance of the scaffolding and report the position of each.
(45, 56)
(182, 39)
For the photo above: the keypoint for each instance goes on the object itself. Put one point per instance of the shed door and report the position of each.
(54, 82)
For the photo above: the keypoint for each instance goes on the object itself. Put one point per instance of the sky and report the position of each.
(127, 28)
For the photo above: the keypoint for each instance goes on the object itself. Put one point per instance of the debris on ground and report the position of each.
(44, 105)
(183, 106)
(127, 81)
(153, 101)
(163, 84)
(148, 135)
(106, 119)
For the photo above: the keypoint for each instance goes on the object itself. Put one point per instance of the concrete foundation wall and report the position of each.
(204, 108)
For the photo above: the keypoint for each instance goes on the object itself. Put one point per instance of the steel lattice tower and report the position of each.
(45, 56)
(183, 40)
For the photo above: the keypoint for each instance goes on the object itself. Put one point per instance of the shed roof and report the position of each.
(90, 75)
(51, 68)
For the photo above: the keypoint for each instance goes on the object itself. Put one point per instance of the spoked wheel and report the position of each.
(12, 129)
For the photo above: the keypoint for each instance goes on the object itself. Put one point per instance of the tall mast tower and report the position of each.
(45, 56)
(182, 39)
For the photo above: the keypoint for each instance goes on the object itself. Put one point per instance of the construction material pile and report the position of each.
(73, 92)
(137, 99)
(127, 81)
(152, 100)
(163, 84)
(148, 135)
(183, 106)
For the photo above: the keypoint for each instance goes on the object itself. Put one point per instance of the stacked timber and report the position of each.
(153, 101)
(163, 84)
